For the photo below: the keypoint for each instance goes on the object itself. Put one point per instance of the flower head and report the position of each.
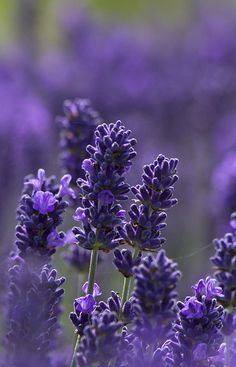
(44, 202)
(85, 304)
(193, 309)
(209, 288)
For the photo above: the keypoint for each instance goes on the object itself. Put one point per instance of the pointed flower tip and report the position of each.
(96, 289)
(64, 189)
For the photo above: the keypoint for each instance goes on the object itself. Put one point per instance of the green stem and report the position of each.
(92, 270)
(125, 290)
(127, 282)
(91, 279)
(77, 340)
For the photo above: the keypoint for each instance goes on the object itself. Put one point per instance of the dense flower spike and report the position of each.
(154, 196)
(198, 339)
(76, 132)
(224, 262)
(141, 355)
(34, 308)
(102, 342)
(124, 261)
(39, 214)
(104, 187)
(157, 188)
(155, 297)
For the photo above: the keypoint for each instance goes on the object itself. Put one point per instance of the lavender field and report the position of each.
(118, 184)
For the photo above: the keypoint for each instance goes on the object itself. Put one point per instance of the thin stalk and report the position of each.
(76, 343)
(91, 279)
(127, 282)
(92, 270)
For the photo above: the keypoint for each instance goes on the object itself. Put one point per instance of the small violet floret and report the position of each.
(54, 239)
(44, 202)
(80, 215)
(96, 289)
(65, 189)
(193, 309)
(87, 166)
(37, 182)
(85, 304)
(208, 288)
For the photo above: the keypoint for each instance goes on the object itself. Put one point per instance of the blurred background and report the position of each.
(166, 68)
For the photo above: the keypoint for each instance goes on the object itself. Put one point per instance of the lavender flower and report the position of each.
(76, 132)
(83, 307)
(155, 195)
(124, 262)
(85, 304)
(225, 266)
(39, 214)
(104, 187)
(198, 339)
(154, 297)
(102, 342)
(33, 313)
(224, 262)
(142, 356)
(113, 304)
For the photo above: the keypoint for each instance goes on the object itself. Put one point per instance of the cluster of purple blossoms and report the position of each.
(104, 187)
(153, 197)
(154, 298)
(39, 214)
(224, 262)
(151, 328)
(76, 132)
(34, 309)
(198, 341)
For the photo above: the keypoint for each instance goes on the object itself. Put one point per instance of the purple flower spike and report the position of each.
(106, 197)
(87, 166)
(85, 304)
(55, 239)
(193, 309)
(96, 289)
(80, 215)
(44, 202)
(65, 189)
